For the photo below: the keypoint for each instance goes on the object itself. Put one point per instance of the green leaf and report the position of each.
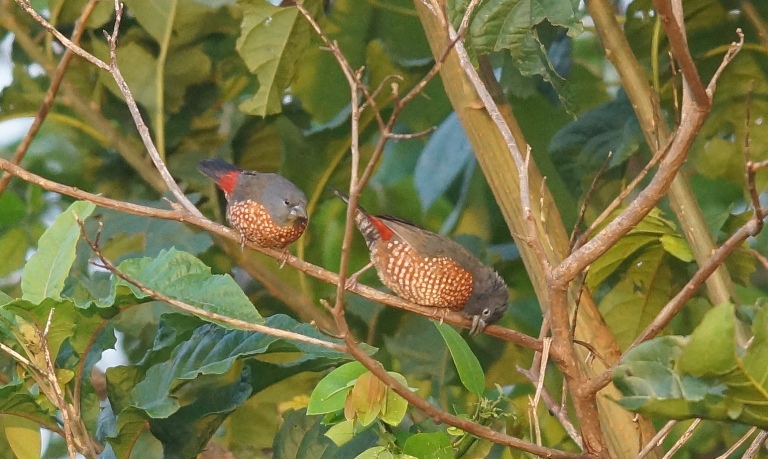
(712, 350)
(331, 391)
(12, 209)
(434, 445)
(470, 371)
(342, 432)
(395, 406)
(271, 42)
(13, 246)
(445, 156)
(23, 435)
(639, 295)
(182, 276)
(579, 148)
(212, 350)
(16, 400)
(303, 437)
(677, 246)
(511, 25)
(48, 268)
(376, 452)
(707, 376)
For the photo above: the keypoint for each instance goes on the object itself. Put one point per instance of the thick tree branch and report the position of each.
(657, 135)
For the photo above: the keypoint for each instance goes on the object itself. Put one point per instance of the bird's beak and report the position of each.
(478, 325)
(298, 212)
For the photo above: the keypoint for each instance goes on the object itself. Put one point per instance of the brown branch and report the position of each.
(674, 305)
(737, 444)
(679, 45)
(454, 318)
(754, 447)
(692, 119)
(440, 416)
(125, 146)
(50, 95)
(683, 439)
(655, 442)
(116, 74)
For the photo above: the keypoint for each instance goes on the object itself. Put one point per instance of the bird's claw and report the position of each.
(283, 258)
(351, 281)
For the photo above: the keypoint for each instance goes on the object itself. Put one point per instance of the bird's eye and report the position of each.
(486, 312)
(286, 202)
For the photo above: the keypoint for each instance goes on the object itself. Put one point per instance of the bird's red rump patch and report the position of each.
(228, 181)
(382, 228)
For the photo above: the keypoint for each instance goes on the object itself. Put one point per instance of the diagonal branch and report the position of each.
(679, 45)
(453, 318)
(50, 95)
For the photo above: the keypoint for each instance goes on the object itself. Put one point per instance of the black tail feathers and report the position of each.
(216, 167)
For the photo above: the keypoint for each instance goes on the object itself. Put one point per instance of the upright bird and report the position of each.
(265, 208)
(431, 270)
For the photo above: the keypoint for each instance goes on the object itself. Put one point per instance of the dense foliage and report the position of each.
(253, 83)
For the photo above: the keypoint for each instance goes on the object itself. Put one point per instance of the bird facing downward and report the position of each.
(265, 208)
(431, 270)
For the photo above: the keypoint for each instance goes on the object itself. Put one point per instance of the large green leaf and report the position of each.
(705, 376)
(271, 42)
(46, 271)
(332, 390)
(470, 371)
(212, 350)
(511, 25)
(195, 377)
(182, 276)
(638, 297)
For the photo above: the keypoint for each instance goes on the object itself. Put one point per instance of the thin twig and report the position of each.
(754, 447)
(738, 443)
(50, 94)
(116, 74)
(657, 439)
(587, 197)
(684, 438)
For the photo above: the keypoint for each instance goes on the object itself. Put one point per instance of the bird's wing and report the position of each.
(431, 244)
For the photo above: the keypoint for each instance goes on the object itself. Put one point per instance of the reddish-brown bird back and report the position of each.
(430, 269)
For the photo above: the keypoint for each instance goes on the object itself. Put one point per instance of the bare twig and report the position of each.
(657, 439)
(674, 305)
(683, 438)
(738, 443)
(587, 198)
(114, 71)
(754, 447)
(50, 95)
(692, 118)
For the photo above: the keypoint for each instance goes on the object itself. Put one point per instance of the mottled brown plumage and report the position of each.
(265, 208)
(432, 270)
